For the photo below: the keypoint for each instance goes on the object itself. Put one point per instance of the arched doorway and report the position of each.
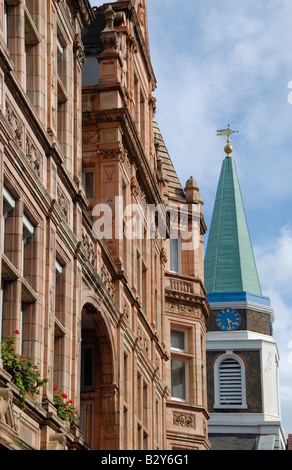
(98, 391)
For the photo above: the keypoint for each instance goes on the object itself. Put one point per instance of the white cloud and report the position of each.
(235, 67)
(274, 262)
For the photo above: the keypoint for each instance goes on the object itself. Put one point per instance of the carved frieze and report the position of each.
(182, 309)
(183, 420)
(110, 153)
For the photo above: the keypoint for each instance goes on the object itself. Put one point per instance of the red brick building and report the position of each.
(115, 323)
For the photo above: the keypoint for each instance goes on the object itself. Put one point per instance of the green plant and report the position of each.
(25, 374)
(65, 408)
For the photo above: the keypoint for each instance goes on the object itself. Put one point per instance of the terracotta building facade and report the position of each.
(101, 246)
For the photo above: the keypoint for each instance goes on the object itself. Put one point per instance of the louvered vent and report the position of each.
(230, 382)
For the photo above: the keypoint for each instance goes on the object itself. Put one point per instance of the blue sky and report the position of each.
(225, 61)
(230, 62)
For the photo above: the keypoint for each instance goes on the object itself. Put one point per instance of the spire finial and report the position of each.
(228, 148)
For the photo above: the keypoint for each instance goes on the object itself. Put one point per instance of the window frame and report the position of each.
(10, 201)
(180, 350)
(178, 271)
(85, 171)
(182, 355)
(28, 232)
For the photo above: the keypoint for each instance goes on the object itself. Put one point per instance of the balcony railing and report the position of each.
(181, 285)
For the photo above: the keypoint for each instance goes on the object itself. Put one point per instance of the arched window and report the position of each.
(229, 382)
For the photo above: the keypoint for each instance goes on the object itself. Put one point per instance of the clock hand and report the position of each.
(229, 323)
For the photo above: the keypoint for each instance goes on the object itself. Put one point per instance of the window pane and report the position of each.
(88, 185)
(178, 340)
(8, 201)
(174, 260)
(28, 228)
(88, 362)
(59, 268)
(60, 48)
(87, 372)
(178, 379)
(8, 205)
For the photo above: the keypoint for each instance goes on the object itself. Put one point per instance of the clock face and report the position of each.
(228, 319)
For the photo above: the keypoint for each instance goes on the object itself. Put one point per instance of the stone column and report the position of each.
(110, 417)
(16, 39)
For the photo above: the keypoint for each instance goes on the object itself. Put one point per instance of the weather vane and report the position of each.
(228, 148)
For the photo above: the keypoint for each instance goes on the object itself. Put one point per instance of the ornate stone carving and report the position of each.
(63, 203)
(18, 131)
(125, 315)
(184, 420)
(88, 247)
(182, 309)
(152, 103)
(109, 37)
(110, 428)
(15, 123)
(135, 189)
(33, 156)
(4, 402)
(141, 14)
(132, 43)
(78, 48)
(86, 107)
(110, 153)
(109, 172)
(160, 176)
(109, 398)
(142, 340)
(163, 256)
(6, 408)
(157, 371)
(107, 280)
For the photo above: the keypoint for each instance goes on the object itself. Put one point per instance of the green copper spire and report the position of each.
(229, 260)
